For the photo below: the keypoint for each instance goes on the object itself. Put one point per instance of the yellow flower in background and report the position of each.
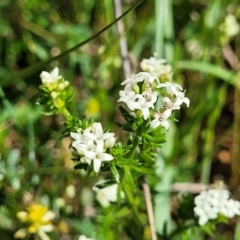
(92, 108)
(39, 221)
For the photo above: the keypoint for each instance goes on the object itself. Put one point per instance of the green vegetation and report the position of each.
(200, 39)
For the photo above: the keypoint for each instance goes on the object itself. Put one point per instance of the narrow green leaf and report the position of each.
(115, 172)
(81, 166)
(123, 110)
(143, 170)
(128, 178)
(130, 119)
(214, 70)
(125, 127)
(121, 162)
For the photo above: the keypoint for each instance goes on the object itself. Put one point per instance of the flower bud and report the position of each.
(54, 94)
(135, 88)
(109, 142)
(61, 86)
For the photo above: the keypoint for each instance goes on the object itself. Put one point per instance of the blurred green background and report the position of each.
(200, 39)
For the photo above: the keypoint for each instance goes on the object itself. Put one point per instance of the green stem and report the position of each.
(133, 149)
(128, 183)
(66, 113)
(128, 193)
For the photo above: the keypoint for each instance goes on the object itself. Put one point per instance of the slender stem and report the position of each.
(123, 42)
(128, 190)
(133, 149)
(66, 113)
(130, 199)
(147, 196)
(234, 62)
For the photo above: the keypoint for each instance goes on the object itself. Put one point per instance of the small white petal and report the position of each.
(21, 233)
(75, 136)
(109, 142)
(105, 157)
(96, 165)
(46, 228)
(203, 220)
(90, 154)
(49, 215)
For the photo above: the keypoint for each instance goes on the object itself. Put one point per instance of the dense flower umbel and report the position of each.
(92, 143)
(39, 221)
(214, 203)
(142, 91)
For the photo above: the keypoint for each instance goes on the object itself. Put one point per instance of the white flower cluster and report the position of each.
(143, 90)
(91, 144)
(107, 194)
(212, 203)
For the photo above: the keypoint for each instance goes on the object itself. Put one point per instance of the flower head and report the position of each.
(38, 219)
(157, 66)
(161, 119)
(152, 95)
(53, 82)
(51, 77)
(92, 145)
(212, 203)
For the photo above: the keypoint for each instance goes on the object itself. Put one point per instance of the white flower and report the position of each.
(180, 98)
(149, 77)
(130, 98)
(173, 105)
(177, 101)
(98, 134)
(134, 79)
(50, 77)
(107, 194)
(82, 142)
(97, 155)
(147, 102)
(209, 204)
(157, 66)
(79, 135)
(161, 119)
(86, 145)
(172, 88)
(91, 145)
